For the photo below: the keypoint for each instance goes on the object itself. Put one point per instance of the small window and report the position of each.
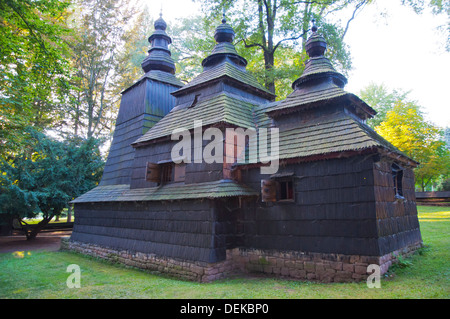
(397, 175)
(165, 172)
(277, 190)
(286, 190)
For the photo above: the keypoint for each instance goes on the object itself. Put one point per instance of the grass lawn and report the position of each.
(43, 275)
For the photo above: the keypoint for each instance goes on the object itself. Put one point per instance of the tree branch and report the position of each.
(289, 39)
(358, 6)
(17, 11)
(252, 45)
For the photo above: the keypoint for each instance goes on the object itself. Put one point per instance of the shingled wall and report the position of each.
(397, 222)
(184, 230)
(335, 211)
(141, 107)
(195, 172)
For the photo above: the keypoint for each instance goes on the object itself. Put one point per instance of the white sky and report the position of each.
(389, 44)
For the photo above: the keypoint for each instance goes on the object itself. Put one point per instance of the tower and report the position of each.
(142, 105)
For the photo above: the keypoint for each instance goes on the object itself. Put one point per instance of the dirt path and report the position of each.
(49, 241)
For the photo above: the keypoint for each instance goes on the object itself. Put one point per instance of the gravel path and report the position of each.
(49, 241)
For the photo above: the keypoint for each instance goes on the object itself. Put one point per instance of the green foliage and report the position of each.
(193, 41)
(128, 67)
(437, 7)
(381, 100)
(34, 64)
(94, 97)
(47, 174)
(443, 185)
(405, 127)
(271, 35)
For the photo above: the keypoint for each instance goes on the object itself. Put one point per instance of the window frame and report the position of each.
(165, 172)
(397, 176)
(284, 183)
(271, 190)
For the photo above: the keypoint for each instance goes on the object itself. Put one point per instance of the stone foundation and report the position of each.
(297, 265)
(313, 266)
(184, 269)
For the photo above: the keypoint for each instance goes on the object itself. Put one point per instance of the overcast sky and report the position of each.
(389, 44)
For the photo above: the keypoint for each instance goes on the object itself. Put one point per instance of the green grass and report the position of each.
(43, 275)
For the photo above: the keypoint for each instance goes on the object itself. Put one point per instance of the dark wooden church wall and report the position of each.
(150, 97)
(195, 172)
(225, 224)
(152, 153)
(334, 210)
(158, 100)
(183, 230)
(397, 221)
(202, 172)
(121, 154)
(141, 107)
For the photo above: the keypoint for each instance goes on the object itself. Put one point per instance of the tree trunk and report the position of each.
(31, 233)
(69, 214)
(269, 80)
(269, 52)
(6, 224)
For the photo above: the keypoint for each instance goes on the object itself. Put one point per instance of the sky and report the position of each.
(390, 44)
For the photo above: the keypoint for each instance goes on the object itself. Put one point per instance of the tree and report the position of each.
(192, 42)
(34, 66)
(405, 127)
(382, 100)
(437, 7)
(135, 49)
(94, 97)
(267, 25)
(46, 175)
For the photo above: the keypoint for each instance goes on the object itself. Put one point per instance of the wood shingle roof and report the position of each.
(327, 135)
(123, 193)
(224, 70)
(221, 108)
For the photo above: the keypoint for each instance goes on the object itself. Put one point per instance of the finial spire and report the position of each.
(223, 16)
(314, 27)
(316, 44)
(224, 32)
(159, 57)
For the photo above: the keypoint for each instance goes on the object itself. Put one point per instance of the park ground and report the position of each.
(39, 271)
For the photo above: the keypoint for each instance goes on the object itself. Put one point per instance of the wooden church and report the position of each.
(341, 199)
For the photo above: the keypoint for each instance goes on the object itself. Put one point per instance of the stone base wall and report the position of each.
(189, 270)
(295, 265)
(314, 266)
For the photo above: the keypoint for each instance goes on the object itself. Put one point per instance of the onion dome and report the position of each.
(224, 32)
(316, 44)
(318, 67)
(159, 55)
(160, 24)
(224, 36)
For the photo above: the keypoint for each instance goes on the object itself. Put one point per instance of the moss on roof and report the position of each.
(327, 135)
(123, 193)
(225, 69)
(220, 108)
(303, 98)
(160, 76)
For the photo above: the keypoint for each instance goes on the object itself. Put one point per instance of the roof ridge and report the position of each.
(223, 70)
